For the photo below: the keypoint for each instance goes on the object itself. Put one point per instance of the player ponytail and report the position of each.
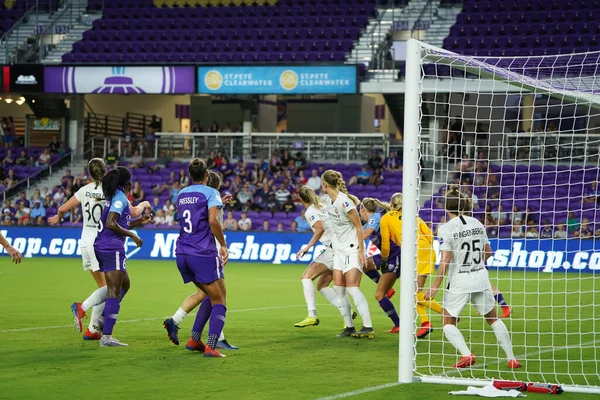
(197, 170)
(116, 178)
(456, 202)
(97, 170)
(214, 181)
(334, 179)
(308, 196)
(396, 202)
(371, 205)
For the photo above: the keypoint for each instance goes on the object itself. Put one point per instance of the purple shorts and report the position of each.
(111, 261)
(393, 263)
(199, 269)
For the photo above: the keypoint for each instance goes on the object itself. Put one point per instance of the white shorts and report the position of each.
(90, 263)
(326, 258)
(454, 303)
(346, 260)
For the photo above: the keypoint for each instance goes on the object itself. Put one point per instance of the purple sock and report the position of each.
(374, 275)
(217, 321)
(123, 293)
(389, 310)
(500, 299)
(202, 317)
(111, 311)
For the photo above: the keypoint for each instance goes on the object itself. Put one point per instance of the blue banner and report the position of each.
(339, 79)
(546, 255)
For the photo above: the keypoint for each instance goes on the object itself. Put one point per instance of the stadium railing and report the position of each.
(350, 147)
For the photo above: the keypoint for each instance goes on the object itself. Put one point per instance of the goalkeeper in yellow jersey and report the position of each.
(391, 229)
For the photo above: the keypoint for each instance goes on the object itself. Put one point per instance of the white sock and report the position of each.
(97, 297)
(96, 314)
(179, 316)
(457, 339)
(221, 336)
(361, 305)
(330, 295)
(503, 337)
(344, 305)
(309, 296)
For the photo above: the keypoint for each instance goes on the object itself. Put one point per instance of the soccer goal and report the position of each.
(521, 135)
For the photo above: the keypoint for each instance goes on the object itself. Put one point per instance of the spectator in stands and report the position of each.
(263, 165)
(300, 178)
(391, 162)
(294, 226)
(272, 205)
(517, 215)
(560, 233)
(245, 223)
(314, 182)
(37, 196)
(9, 160)
(156, 205)
(275, 163)
(481, 161)
(44, 159)
(230, 224)
(572, 223)
(466, 164)
(227, 128)
(112, 158)
(175, 192)
(375, 161)
(289, 205)
(282, 193)
(491, 225)
(592, 194)
(169, 210)
(67, 179)
(162, 161)
(517, 231)
(137, 192)
(23, 214)
(11, 179)
(155, 124)
(58, 197)
(532, 233)
(128, 139)
(76, 216)
(159, 218)
(363, 177)
(501, 216)
(23, 160)
(210, 162)
(8, 206)
(239, 127)
(31, 161)
(214, 127)
(10, 133)
(266, 226)
(226, 170)
(136, 161)
(184, 180)
(439, 199)
(377, 177)
(493, 189)
(196, 127)
(480, 177)
(585, 230)
(547, 230)
(286, 158)
(54, 145)
(280, 227)
(4, 129)
(22, 200)
(38, 213)
(299, 162)
(244, 196)
(301, 223)
(7, 220)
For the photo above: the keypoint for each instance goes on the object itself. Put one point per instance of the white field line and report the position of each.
(41, 328)
(454, 372)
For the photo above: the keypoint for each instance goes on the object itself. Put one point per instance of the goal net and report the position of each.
(521, 136)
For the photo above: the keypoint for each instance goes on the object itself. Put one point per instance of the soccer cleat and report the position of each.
(506, 311)
(465, 362)
(191, 345)
(395, 329)
(78, 315)
(109, 341)
(98, 325)
(390, 293)
(172, 330)
(347, 332)
(308, 321)
(224, 344)
(425, 330)
(91, 336)
(213, 353)
(365, 332)
(513, 364)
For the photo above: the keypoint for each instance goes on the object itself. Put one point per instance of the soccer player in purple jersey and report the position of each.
(109, 246)
(172, 324)
(198, 259)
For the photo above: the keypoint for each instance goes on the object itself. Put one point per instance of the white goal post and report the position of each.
(522, 136)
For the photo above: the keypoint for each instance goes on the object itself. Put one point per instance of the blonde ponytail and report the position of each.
(396, 202)
(308, 196)
(335, 179)
(371, 204)
(456, 202)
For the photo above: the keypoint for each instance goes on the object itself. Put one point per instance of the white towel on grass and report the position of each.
(488, 391)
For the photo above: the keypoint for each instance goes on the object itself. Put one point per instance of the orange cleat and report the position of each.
(191, 345)
(390, 293)
(506, 311)
(514, 364)
(465, 362)
(91, 336)
(78, 315)
(213, 353)
(426, 329)
(395, 329)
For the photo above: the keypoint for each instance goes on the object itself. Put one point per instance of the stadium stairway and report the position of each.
(54, 179)
(65, 43)
(443, 19)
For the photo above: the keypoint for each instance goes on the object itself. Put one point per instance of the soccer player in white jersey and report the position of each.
(322, 266)
(349, 247)
(464, 250)
(172, 324)
(92, 201)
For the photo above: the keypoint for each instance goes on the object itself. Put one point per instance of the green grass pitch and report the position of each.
(42, 356)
